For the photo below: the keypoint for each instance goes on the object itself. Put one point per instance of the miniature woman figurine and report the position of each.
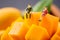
(45, 11)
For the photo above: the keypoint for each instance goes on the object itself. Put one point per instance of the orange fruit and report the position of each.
(50, 23)
(5, 35)
(56, 36)
(18, 31)
(35, 17)
(37, 33)
(7, 16)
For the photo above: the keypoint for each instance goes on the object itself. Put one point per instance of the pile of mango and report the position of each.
(14, 27)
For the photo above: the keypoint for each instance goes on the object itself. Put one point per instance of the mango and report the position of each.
(56, 36)
(5, 35)
(27, 20)
(50, 23)
(1, 32)
(19, 30)
(35, 17)
(19, 19)
(37, 33)
(58, 29)
(7, 16)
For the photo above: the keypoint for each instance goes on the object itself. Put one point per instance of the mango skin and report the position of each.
(7, 16)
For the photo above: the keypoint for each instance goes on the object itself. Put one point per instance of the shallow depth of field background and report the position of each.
(22, 4)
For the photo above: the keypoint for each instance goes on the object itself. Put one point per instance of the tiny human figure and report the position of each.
(28, 10)
(44, 12)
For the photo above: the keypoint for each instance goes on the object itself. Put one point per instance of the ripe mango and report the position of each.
(5, 35)
(56, 36)
(19, 30)
(10, 32)
(1, 32)
(7, 16)
(37, 33)
(50, 23)
(35, 17)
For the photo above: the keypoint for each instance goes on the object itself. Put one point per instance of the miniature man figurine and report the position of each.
(28, 10)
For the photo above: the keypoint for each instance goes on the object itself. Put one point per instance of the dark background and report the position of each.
(21, 4)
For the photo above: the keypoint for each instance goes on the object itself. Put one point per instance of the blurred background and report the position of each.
(22, 4)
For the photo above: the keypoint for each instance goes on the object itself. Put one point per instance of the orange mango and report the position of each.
(19, 19)
(27, 20)
(37, 33)
(5, 35)
(50, 23)
(7, 16)
(58, 29)
(1, 32)
(56, 36)
(19, 30)
(35, 16)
